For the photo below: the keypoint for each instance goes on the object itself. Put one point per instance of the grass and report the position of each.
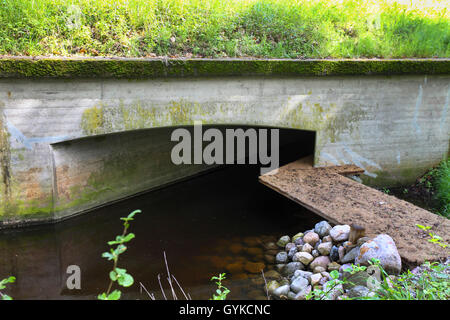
(225, 28)
(443, 187)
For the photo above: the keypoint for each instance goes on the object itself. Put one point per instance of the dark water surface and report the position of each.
(202, 224)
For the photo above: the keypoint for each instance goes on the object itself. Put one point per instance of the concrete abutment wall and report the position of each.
(391, 119)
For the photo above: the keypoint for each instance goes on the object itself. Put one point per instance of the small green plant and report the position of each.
(434, 237)
(221, 291)
(323, 294)
(3, 286)
(117, 274)
(386, 190)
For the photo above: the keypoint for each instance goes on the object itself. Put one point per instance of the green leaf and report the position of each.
(115, 295)
(6, 297)
(113, 275)
(107, 255)
(334, 274)
(125, 280)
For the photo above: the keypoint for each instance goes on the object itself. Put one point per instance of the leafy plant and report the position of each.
(117, 274)
(221, 291)
(434, 237)
(3, 286)
(321, 294)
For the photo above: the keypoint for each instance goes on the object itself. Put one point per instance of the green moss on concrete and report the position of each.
(158, 68)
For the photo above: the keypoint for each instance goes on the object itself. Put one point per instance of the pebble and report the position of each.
(327, 239)
(311, 237)
(307, 248)
(299, 284)
(334, 253)
(340, 233)
(291, 267)
(297, 236)
(289, 246)
(333, 266)
(315, 253)
(283, 241)
(322, 228)
(350, 256)
(292, 252)
(281, 291)
(325, 248)
(321, 261)
(281, 257)
(315, 278)
(303, 257)
(302, 294)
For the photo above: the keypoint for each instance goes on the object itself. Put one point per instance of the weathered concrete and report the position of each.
(392, 126)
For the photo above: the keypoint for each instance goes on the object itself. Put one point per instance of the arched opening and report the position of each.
(215, 220)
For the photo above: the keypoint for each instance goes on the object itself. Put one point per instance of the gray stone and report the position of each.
(291, 295)
(289, 246)
(340, 233)
(292, 252)
(382, 247)
(299, 284)
(325, 248)
(319, 269)
(302, 294)
(283, 241)
(327, 239)
(301, 273)
(358, 291)
(281, 257)
(315, 253)
(281, 291)
(350, 256)
(299, 242)
(280, 267)
(322, 228)
(291, 267)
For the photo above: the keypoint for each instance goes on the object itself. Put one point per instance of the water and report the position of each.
(203, 224)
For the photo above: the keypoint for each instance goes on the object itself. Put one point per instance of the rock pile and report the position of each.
(304, 262)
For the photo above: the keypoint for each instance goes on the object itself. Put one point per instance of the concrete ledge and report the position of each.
(126, 68)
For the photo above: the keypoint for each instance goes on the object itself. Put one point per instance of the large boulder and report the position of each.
(383, 248)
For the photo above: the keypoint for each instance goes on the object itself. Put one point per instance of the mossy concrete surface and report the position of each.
(68, 144)
(120, 68)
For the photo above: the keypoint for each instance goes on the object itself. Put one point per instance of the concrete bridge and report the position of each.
(76, 134)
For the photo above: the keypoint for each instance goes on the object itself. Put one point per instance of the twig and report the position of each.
(169, 278)
(265, 285)
(141, 286)
(180, 287)
(160, 285)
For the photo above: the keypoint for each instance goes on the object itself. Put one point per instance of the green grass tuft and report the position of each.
(225, 28)
(443, 187)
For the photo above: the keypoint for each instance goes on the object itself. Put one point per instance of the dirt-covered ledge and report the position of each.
(29, 67)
